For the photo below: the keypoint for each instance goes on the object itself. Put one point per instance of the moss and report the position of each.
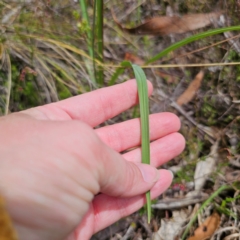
(63, 91)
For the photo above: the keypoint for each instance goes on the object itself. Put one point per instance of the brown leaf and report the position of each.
(207, 229)
(167, 76)
(190, 92)
(165, 25)
(133, 59)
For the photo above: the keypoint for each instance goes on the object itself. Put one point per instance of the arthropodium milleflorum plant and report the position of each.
(144, 119)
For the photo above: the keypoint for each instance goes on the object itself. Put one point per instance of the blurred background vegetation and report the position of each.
(46, 56)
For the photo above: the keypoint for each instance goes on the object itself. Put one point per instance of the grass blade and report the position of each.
(144, 118)
(118, 72)
(99, 51)
(189, 40)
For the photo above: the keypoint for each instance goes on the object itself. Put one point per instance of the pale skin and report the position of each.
(62, 179)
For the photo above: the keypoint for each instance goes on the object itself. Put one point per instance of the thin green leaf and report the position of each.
(114, 77)
(144, 118)
(118, 72)
(189, 40)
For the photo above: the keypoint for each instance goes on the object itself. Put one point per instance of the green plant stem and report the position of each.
(99, 51)
(86, 19)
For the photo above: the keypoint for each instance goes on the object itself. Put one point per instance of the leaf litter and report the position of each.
(190, 92)
(166, 25)
(207, 228)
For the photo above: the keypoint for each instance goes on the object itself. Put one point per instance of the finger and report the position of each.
(121, 178)
(161, 150)
(106, 210)
(123, 136)
(93, 107)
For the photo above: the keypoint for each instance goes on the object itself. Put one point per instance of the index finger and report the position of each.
(94, 107)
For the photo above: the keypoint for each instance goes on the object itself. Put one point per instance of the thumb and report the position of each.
(126, 179)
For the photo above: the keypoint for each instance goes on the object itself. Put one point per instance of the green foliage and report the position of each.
(118, 72)
(225, 206)
(209, 113)
(83, 28)
(144, 119)
(25, 92)
(63, 91)
(188, 40)
(185, 175)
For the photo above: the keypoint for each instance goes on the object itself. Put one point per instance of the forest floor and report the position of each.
(201, 86)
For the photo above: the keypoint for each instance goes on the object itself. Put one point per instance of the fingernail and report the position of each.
(149, 173)
(171, 174)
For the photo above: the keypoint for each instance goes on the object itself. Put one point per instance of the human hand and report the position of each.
(53, 165)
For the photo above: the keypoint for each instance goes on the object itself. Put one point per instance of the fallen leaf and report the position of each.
(190, 92)
(207, 229)
(205, 167)
(168, 77)
(133, 59)
(165, 25)
(170, 228)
